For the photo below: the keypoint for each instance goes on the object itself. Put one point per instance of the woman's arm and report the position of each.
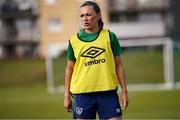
(122, 80)
(68, 75)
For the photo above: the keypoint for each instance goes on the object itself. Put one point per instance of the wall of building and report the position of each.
(59, 20)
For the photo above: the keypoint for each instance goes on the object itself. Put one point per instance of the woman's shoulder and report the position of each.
(73, 36)
(110, 32)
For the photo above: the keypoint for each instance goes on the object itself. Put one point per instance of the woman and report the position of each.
(94, 70)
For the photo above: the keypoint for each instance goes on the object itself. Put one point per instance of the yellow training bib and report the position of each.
(94, 68)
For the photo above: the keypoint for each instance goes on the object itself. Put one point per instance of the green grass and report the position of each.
(33, 102)
(140, 67)
(23, 91)
(154, 105)
(17, 72)
(59, 65)
(177, 66)
(143, 67)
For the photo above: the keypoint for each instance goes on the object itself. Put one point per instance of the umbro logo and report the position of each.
(92, 52)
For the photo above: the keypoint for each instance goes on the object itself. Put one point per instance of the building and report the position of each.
(139, 18)
(60, 19)
(19, 28)
(27, 27)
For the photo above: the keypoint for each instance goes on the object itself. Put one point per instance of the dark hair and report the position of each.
(97, 10)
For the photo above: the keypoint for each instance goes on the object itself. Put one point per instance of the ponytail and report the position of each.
(100, 24)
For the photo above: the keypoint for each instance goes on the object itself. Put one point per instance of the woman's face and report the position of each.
(89, 18)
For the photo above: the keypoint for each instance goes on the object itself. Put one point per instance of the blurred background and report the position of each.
(33, 41)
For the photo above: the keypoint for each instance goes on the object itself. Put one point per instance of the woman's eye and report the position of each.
(89, 14)
(81, 16)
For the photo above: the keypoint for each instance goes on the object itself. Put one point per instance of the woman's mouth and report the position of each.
(86, 24)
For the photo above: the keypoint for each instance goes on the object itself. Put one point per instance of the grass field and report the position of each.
(23, 91)
(140, 67)
(33, 102)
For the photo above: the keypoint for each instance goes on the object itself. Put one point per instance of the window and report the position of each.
(54, 24)
(52, 2)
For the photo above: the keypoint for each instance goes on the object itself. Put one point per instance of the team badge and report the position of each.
(79, 110)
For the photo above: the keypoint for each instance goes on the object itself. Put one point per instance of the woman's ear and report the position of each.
(99, 16)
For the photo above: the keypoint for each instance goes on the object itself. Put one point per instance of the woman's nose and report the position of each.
(85, 18)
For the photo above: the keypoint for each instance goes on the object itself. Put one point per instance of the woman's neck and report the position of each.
(92, 30)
